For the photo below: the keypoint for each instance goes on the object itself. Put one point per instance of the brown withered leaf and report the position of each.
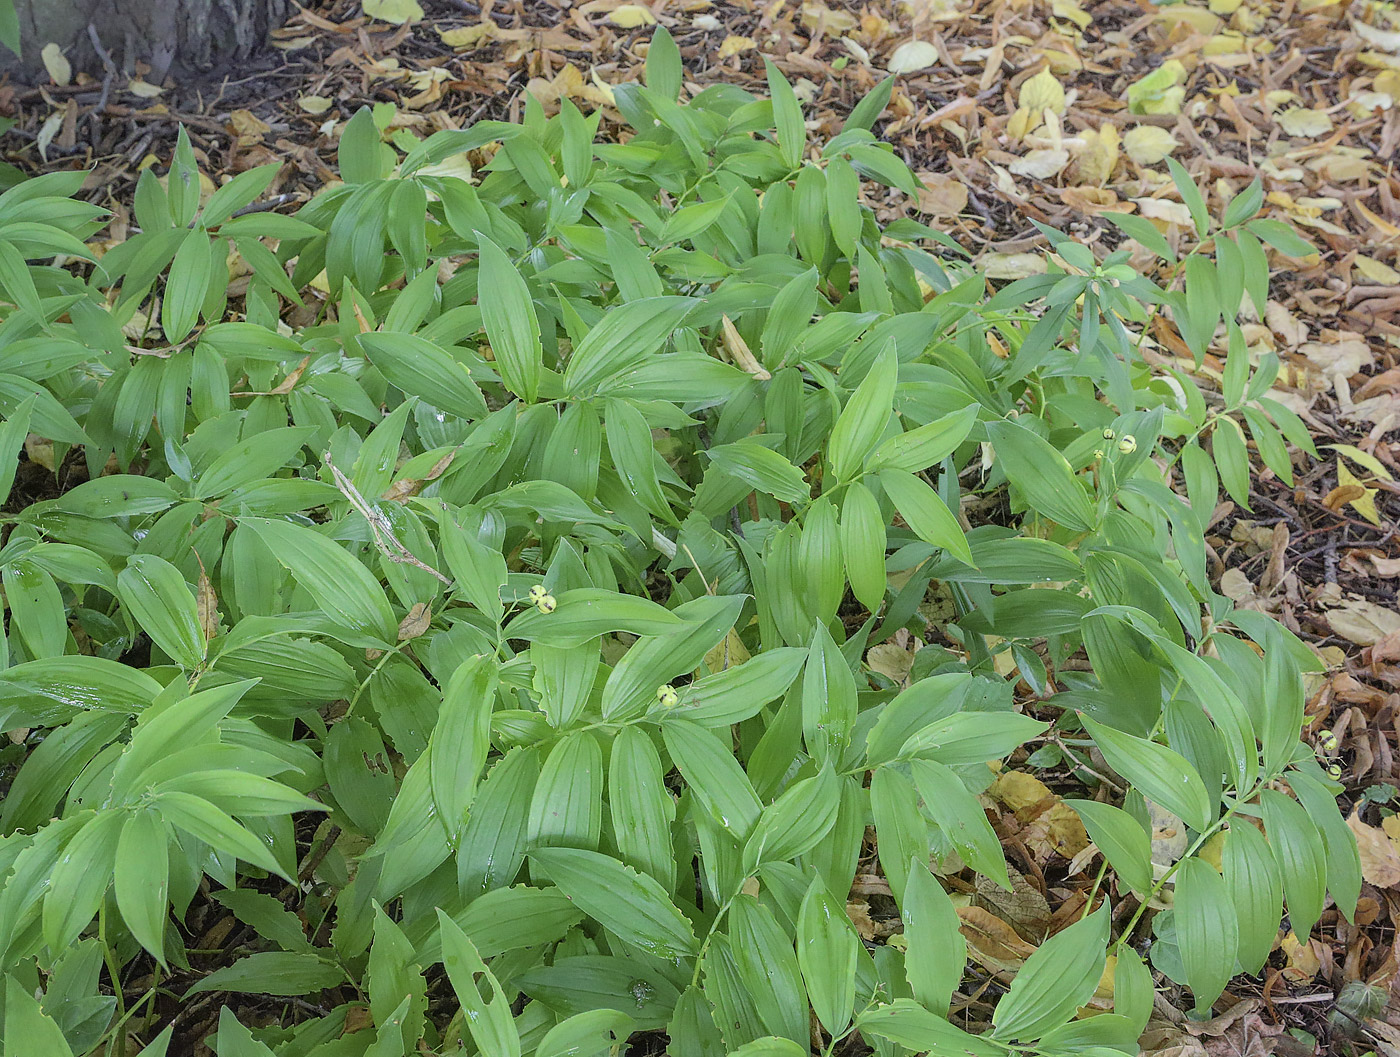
(416, 622)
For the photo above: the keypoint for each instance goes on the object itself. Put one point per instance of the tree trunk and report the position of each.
(184, 38)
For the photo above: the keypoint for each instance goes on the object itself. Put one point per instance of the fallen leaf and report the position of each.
(314, 104)
(1148, 144)
(733, 45)
(1309, 124)
(60, 69)
(1303, 962)
(1013, 265)
(1363, 622)
(912, 55)
(395, 11)
(1042, 92)
(1040, 164)
(1374, 271)
(1365, 503)
(1380, 862)
(136, 86)
(1160, 91)
(631, 16)
(941, 195)
(991, 942)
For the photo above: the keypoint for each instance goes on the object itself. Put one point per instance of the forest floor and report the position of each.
(1302, 93)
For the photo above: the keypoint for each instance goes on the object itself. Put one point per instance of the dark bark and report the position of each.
(183, 38)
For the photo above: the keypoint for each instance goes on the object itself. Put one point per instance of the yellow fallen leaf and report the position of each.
(1300, 121)
(1373, 271)
(1071, 12)
(395, 11)
(314, 104)
(1012, 265)
(136, 86)
(1148, 144)
(1040, 164)
(1364, 504)
(1224, 7)
(1303, 962)
(733, 45)
(912, 55)
(1200, 20)
(1388, 82)
(1042, 92)
(1095, 161)
(1362, 458)
(60, 69)
(465, 37)
(631, 16)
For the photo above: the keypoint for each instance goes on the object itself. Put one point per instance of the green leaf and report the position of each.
(1301, 853)
(459, 743)
(508, 313)
(828, 698)
(1042, 475)
(787, 113)
(1121, 839)
(762, 468)
(28, 1029)
(827, 950)
(971, 737)
(586, 1034)
(1191, 195)
(714, 776)
(13, 432)
(1055, 981)
(641, 807)
(935, 952)
(567, 806)
(1254, 887)
(962, 819)
(1282, 237)
(632, 906)
(1343, 857)
(623, 339)
(1157, 772)
(926, 513)
(358, 152)
(863, 546)
(1207, 930)
(341, 586)
(185, 289)
(154, 592)
(420, 368)
(909, 1024)
(141, 876)
(924, 446)
(487, 1016)
(741, 690)
(796, 821)
(80, 880)
(862, 420)
(272, 973)
(664, 72)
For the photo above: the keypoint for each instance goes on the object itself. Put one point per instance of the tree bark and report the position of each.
(183, 38)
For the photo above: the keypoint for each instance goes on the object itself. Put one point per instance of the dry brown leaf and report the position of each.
(991, 942)
(419, 618)
(1363, 622)
(1380, 861)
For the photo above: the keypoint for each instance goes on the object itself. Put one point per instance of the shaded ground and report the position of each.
(1302, 93)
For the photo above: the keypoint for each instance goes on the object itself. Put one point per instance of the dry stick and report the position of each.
(384, 539)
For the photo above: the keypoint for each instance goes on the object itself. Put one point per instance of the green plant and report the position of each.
(512, 613)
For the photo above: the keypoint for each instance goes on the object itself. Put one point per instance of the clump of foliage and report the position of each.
(509, 618)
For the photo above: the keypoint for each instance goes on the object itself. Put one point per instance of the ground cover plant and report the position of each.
(490, 663)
